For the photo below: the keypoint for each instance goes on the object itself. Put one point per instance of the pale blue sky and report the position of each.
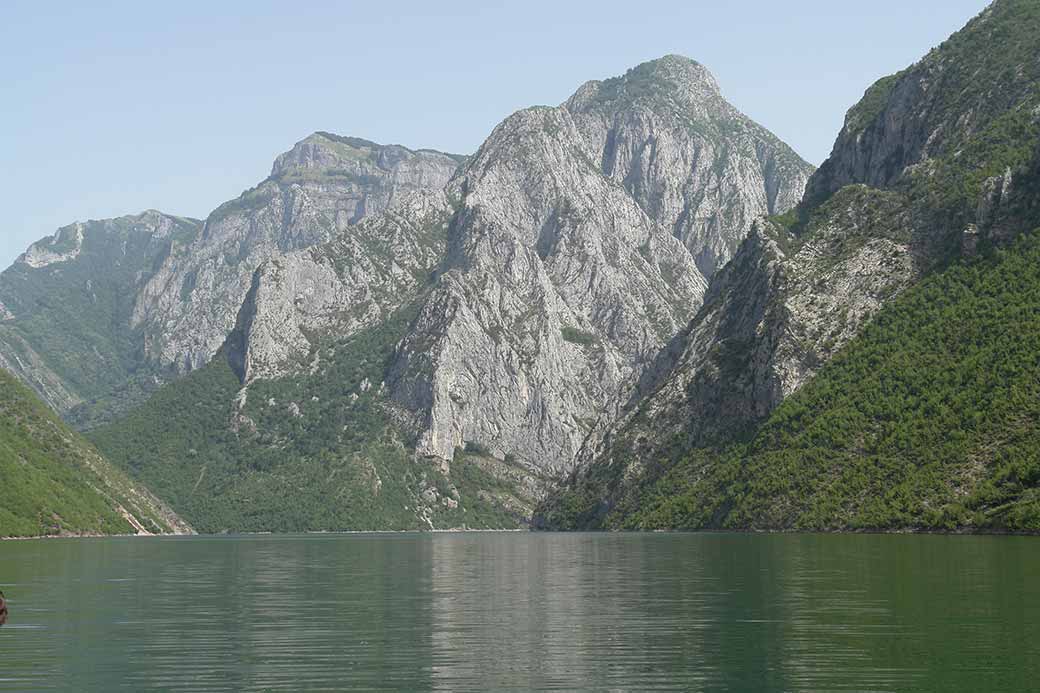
(108, 108)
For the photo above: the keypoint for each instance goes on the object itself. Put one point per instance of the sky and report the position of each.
(111, 108)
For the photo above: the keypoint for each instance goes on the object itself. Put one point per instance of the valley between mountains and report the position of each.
(636, 310)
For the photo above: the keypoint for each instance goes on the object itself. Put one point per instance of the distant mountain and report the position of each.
(850, 366)
(440, 363)
(98, 316)
(66, 309)
(324, 185)
(55, 483)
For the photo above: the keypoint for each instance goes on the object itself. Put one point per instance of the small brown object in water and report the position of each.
(3, 609)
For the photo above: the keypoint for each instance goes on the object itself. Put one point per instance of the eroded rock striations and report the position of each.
(580, 248)
(772, 317)
(300, 299)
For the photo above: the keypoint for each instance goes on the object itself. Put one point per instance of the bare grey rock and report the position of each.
(340, 287)
(574, 257)
(61, 247)
(324, 185)
(690, 159)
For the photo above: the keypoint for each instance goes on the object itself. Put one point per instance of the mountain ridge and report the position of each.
(525, 280)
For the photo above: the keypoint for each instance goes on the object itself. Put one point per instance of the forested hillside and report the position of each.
(52, 482)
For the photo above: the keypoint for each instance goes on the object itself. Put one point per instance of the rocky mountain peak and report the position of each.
(323, 185)
(324, 153)
(691, 160)
(566, 268)
(68, 242)
(678, 70)
(673, 80)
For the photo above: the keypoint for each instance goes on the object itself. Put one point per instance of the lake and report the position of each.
(519, 611)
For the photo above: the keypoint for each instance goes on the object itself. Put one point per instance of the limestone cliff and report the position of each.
(580, 248)
(325, 184)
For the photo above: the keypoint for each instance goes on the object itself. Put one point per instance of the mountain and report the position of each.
(98, 316)
(566, 268)
(928, 420)
(791, 400)
(324, 185)
(440, 363)
(55, 483)
(66, 307)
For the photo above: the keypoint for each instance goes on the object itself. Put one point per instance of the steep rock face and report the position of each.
(690, 159)
(322, 186)
(566, 267)
(65, 327)
(780, 310)
(556, 288)
(962, 90)
(338, 288)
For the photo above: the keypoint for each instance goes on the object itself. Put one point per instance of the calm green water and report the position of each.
(490, 612)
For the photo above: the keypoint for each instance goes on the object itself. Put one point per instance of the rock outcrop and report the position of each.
(692, 161)
(300, 299)
(779, 311)
(960, 91)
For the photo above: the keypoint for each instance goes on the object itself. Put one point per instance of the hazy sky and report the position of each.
(109, 108)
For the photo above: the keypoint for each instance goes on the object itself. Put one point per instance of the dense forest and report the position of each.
(55, 483)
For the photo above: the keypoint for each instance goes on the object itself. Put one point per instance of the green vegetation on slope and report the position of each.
(52, 482)
(966, 112)
(930, 419)
(305, 452)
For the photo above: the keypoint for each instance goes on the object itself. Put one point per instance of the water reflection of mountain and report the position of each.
(567, 612)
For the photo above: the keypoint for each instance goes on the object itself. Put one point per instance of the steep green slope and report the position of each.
(964, 113)
(928, 420)
(52, 482)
